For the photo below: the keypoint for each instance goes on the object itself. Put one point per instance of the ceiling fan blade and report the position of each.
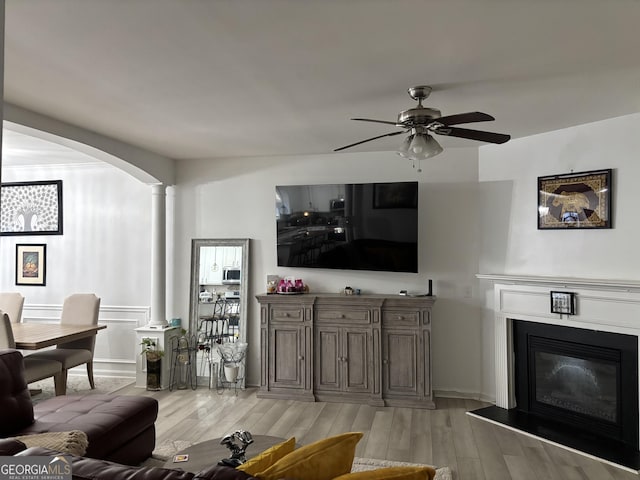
(369, 139)
(374, 121)
(469, 117)
(490, 137)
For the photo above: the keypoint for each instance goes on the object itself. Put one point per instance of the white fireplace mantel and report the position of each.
(567, 282)
(604, 305)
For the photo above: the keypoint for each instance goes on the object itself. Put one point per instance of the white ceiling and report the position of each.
(219, 78)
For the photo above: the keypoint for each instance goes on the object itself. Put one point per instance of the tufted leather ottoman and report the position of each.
(120, 428)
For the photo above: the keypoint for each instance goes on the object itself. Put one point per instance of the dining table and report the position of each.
(34, 336)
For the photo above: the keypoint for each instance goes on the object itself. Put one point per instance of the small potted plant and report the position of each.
(153, 356)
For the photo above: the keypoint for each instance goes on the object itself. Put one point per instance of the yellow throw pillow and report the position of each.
(392, 473)
(271, 455)
(321, 460)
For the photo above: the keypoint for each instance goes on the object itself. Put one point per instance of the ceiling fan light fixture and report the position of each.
(421, 121)
(422, 146)
(403, 150)
(433, 147)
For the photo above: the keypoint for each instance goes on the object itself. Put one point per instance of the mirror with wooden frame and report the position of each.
(218, 297)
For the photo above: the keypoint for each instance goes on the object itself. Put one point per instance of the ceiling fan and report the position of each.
(421, 121)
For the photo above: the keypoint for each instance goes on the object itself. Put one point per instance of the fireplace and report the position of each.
(583, 379)
(576, 383)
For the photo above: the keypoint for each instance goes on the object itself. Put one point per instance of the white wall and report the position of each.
(104, 248)
(511, 242)
(235, 198)
(466, 227)
(577, 253)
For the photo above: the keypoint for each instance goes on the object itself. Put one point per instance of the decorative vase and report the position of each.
(154, 370)
(289, 286)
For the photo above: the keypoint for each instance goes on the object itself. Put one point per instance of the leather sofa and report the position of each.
(83, 468)
(119, 428)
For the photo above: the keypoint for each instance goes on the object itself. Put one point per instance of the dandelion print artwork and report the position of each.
(31, 208)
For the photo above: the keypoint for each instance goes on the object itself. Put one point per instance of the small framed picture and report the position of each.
(31, 264)
(563, 302)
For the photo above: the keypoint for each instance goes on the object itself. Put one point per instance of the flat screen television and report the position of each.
(353, 226)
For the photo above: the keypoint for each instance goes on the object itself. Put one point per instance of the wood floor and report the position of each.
(472, 448)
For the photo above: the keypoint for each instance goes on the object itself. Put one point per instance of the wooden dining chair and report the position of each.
(12, 303)
(77, 309)
(34, 368)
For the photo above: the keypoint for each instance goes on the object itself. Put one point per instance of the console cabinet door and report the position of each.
(342, 359)
(355, 360)
(328, 353)
(286, 351)
(402, 355)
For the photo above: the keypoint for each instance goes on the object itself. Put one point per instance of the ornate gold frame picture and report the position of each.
(575, 200)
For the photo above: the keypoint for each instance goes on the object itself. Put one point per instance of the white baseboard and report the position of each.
(464, 395)
(106, 370)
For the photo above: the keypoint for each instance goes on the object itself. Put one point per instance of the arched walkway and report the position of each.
(147, 167)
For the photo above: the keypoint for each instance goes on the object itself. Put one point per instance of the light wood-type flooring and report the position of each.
(472, 448)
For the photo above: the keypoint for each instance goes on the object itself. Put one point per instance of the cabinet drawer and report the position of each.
(284, 314)
(338, 316)
(400, 317)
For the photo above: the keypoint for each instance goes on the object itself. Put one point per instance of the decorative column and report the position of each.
(170, 252)
(158, 329)
(158, 257)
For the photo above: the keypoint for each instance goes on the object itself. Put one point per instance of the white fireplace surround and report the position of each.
(604, 305)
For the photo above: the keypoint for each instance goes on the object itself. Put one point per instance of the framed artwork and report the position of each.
(563, 302)
(575, 200)
(395, 195)
(31, 208)
(31, 264)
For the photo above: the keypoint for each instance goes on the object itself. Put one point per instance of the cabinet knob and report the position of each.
(300, 357)
(385, 361)
(400, 317)
(286, 314)
(342, 315)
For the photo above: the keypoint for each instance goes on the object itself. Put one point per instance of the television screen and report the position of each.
(353, 226)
